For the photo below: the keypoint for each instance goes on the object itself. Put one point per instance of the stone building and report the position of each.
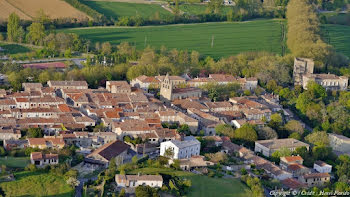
(170, 91)
(339, 143)
(303, 73)
(118, 87)
(267, 147)
(302, 66)
(328, 81)
(315, 179)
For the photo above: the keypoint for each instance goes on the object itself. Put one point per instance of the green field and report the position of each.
(118, 9)
(13, 48)
(37, 184)
(227, 38)
(14, 162)
(204, 185)
(339, 37)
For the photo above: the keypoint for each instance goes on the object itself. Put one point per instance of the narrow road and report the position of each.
(77, 61)
(79, 188)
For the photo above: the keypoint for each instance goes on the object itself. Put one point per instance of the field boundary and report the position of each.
(168, 25)
(132, 1)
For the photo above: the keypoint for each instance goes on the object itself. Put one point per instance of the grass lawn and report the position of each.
(215, 187)
(227, 38)
(339, 37)
(13, 48)
(37, 184)
(15, 162)
(204, 185)
(118, 9)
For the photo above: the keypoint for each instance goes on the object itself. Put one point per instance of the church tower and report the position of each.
(166, 89)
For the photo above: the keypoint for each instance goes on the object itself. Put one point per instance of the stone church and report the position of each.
(170, 91)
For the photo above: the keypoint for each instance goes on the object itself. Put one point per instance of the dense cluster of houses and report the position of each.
(67, 112)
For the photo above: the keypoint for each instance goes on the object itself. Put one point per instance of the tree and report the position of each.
(224, 129)
(304, 32)
(294, 126)
(35, 133)
(276, 121)
(2, 151)
(322, 152)
(184, 129)
(169, 153)
(266, 133)
(246, 133)
(106, 48)
(282, 152)
(318, 138)
(122, 193)
(36, 33)
(295, 135)
(343, 166)
(145, 191)
(134, 159)
(14, 30)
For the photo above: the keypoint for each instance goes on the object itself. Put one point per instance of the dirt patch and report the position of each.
(27, 9)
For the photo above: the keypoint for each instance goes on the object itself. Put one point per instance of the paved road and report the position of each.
(77, 61)
(79, 188)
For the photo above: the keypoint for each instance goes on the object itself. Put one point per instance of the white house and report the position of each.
(181, 149)
(136, 180)
(40, 159)
(322, 167)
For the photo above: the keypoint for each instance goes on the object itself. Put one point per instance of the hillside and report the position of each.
(27, 9)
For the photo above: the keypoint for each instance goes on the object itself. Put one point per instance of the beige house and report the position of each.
(315, 179)
(39, 159)
(298, 170)
(137, 180)
(118, 87)
(7, 133)
(131, 127)
(287, 160)
(43, 143)
(267, 147)
(28, 87)
(145, 82)
(67, 84)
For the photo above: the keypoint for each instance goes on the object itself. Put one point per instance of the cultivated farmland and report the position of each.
(118, 9)
(339, 37)
(214, 39)
(28, 9)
